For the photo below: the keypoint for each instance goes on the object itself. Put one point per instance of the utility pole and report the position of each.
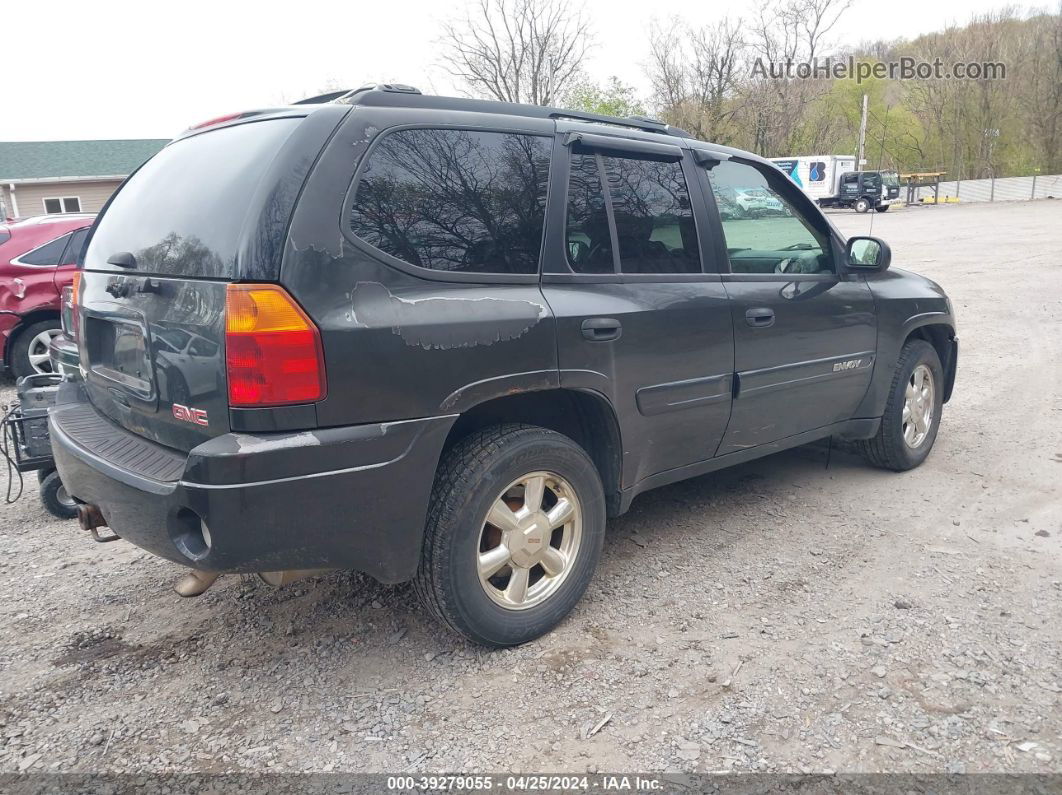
(860, 160)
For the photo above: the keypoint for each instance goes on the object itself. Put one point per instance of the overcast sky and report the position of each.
(110, 69)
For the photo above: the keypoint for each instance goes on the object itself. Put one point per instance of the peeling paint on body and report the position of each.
(441, 322)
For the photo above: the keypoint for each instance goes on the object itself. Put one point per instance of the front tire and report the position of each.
(912, 413)
(514, 533)
(862, 205)
(882, 208)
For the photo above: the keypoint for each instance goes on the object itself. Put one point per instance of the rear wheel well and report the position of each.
(584, 417)
(939, 335)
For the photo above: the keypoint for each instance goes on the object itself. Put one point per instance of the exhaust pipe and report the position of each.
(288, 576)
(90, 517)
(195, 582)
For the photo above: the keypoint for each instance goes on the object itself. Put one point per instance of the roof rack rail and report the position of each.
(398, 95)
(320, 99)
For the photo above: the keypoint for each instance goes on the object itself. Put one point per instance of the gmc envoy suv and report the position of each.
(443, 340)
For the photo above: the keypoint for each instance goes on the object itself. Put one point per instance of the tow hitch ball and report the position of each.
(90, 518)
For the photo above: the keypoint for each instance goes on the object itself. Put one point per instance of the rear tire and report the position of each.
(56, 498)
(862, 205)
(30, 345)
(508, 581)
(902, 442)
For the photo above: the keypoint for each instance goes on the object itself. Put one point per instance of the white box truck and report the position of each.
(834, 181)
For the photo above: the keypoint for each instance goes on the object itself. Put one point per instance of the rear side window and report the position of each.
(48, 255)
(183, 212)
(651, 213)
(461, 201)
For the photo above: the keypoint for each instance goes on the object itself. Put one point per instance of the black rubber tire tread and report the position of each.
(886, 449)
(50, 497)
(20, 364)
(467, 467)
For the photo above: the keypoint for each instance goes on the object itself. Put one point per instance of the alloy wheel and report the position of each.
(918, 406)
(529, 540)
(38, 351)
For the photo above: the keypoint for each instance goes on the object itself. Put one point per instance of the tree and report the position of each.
(517, 50)
(614, 98)
(695, 72)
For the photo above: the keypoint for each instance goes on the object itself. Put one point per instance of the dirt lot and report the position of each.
(797, 613)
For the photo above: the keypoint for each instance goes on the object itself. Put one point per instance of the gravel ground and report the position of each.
(799, 613)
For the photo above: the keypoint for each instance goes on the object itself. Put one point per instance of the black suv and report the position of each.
(443, 340)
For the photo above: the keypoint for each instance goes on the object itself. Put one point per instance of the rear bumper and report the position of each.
(347, 498)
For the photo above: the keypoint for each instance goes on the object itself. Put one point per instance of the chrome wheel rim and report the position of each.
(529, 541)
(918, 406)
(38, 351)
(64, 499)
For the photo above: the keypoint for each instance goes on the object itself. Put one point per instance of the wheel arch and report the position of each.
(942, 337)
(24, 321)
(584, 416)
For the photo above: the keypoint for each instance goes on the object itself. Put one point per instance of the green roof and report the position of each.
(56, 159)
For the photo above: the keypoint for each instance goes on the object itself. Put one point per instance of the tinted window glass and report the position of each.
(455, 200)
(654, 220)
(72, 205)
(73, 250)
(53, 206)
(47, 255)
(4, 236)
(764, 232)
(589, 241)
(183, 212)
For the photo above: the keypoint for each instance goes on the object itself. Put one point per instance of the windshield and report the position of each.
(890, 179)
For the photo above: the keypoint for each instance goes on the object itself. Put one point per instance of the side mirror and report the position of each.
(868, 254)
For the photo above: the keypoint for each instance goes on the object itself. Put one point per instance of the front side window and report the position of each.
(461, 201)
(651, 213)
(764, 231)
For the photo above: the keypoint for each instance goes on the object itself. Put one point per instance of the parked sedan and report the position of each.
(37, 259)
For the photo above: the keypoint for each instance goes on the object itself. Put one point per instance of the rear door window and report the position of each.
(182, 214)
(74, 246)
(461, 201)
(652, 220)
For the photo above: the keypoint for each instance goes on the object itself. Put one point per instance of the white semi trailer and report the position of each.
(834, 181)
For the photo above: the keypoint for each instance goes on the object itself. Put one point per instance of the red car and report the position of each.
(37, 259)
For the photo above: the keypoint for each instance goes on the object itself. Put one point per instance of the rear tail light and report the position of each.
(71, 319)
(273, 352)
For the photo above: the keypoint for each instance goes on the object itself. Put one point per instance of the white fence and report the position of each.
(998, 190)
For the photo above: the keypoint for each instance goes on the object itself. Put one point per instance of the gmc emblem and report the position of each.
(187, 414)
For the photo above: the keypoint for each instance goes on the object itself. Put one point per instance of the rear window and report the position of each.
(455, 200)
(182, 213)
